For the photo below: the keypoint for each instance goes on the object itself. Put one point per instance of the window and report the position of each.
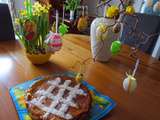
(4, 1)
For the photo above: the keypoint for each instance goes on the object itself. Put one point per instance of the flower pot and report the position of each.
(71, 15)
(38, 58)
(101, 49)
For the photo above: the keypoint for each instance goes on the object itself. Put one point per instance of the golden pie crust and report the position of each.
(79, 113)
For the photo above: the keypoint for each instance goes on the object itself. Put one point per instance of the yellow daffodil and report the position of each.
(23, 12)
(130, 10)
(44, 10)
(49, 6)
(39, 9)
(17, 21)
(112, 12)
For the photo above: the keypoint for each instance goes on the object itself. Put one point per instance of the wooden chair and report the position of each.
(148, 24)
(6, 26)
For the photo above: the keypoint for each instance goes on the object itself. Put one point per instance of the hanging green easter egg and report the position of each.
(63, 29)
(115, 47)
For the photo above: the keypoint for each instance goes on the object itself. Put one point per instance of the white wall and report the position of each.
(91, 7)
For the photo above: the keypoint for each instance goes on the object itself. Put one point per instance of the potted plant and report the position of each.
(33, 27)
(72, 6)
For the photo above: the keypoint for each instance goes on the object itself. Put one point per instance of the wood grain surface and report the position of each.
(108, 77)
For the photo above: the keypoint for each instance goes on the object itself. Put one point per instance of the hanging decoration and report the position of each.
(83, 21)
(53, 28)
(130, 10)
(112, 12)
(54, 40)
(130, 83)
(63, 28)
(116, 47)
(102, 31)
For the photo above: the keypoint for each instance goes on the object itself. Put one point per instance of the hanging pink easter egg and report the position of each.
(54, 42)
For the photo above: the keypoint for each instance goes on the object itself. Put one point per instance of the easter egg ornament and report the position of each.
(112, 12)
(101, 32)
(63, 28)
(79, 77)
(82, 22)
(54, 41)
(130, 10)
(53, 28)
(130, 83)
(115, 47)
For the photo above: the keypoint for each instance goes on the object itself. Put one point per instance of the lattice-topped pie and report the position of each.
(58, 98)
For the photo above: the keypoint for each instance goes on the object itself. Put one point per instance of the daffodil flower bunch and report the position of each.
(39, 9)
(33, 24)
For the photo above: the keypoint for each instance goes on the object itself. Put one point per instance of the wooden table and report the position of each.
(144, 104)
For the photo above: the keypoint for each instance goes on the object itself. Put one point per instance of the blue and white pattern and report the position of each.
(96, 112)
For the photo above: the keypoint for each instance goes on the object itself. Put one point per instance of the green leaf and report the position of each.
(72, 4)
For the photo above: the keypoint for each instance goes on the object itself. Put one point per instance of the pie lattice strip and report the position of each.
(65, 102)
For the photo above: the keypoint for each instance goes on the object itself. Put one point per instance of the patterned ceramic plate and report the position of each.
(101, 105)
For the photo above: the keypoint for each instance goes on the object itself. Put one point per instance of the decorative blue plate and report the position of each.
(97, 111)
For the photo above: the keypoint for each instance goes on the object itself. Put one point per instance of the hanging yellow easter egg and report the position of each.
(79, 77)
(130, 84)
(82, 23)
(53, 28)
(112, 11)
(130, 10)
(101, 32)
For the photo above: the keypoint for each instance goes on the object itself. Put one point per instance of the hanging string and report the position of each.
(83, 14)
(86, 13)
(63, 13)
(136, 67)
(104, 11)
(57, 19)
